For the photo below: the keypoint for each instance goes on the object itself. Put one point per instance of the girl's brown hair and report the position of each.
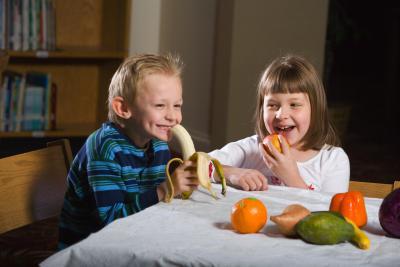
(130, 74)
(294, 74)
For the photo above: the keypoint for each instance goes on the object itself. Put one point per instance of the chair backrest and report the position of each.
(376, 190)
(33, 184)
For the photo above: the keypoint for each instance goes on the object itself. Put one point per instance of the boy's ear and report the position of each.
(121, 108)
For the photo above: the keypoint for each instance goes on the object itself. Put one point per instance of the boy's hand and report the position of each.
(283, 165)
(245, 179)
(184, 178)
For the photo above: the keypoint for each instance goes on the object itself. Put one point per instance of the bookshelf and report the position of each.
(91, 41)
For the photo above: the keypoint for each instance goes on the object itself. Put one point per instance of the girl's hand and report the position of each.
(283, 165)
(245, 179)
(184, 178)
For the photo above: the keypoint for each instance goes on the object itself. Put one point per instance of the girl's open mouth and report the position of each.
(283, 130)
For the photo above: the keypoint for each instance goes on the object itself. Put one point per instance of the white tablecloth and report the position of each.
(197, 232)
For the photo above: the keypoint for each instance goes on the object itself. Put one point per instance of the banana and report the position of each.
(202, 160)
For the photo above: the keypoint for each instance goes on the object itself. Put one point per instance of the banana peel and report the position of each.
(202, 161)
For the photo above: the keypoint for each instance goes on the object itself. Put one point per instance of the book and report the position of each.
(42, 80)
(2, 24)
(3, 100)
(25, 25)
(33, 32)
(53, 107)
(32, 111)
(10, 94)
(20, 105)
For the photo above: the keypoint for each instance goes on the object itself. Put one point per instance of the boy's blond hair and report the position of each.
(294, 74)
(129, 75)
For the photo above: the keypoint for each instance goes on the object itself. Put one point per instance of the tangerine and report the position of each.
(274, 139)
(248, 215)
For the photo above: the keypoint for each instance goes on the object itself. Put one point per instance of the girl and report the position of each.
(290, 102)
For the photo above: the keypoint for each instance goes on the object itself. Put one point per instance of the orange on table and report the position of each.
(248, 215)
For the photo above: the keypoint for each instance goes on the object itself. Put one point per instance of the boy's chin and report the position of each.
(164, 137)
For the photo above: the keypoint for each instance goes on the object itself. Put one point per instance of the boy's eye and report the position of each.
(160, 105)
(178, 106)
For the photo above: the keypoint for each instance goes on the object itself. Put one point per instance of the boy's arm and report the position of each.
(115, 197)
(162, 191)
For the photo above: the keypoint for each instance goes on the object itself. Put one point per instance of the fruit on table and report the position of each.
(324, 228)
(328, 228)
(248, 215)
(351, 205)
(202, 160)
(389, 213)
(290, 216)
(274, 139)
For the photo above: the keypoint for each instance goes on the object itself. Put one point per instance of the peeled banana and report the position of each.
(202, 161)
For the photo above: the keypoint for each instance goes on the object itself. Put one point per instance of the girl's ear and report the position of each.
(121, 108)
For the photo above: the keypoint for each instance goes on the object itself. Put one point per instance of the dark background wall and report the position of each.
(362, 71)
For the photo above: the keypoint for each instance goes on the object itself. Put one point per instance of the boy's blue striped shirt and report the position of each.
(109, 178)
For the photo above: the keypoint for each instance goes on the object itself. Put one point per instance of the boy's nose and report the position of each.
(171, 114)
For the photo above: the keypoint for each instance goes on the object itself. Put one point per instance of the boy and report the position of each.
(120, 170)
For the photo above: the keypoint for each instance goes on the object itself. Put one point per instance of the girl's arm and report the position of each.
(245, 179)
(241, 160)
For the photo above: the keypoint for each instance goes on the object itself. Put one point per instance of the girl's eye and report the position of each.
(178, 106)
(160, 105)
(295, 105)
(272, 106)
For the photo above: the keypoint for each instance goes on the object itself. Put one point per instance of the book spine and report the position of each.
(2, 24)
(53, 107)
(20, 105)
(25, 25)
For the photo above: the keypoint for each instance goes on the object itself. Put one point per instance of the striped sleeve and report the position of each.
(116, 195)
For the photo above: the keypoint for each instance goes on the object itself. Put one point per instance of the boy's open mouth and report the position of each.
(165, 127)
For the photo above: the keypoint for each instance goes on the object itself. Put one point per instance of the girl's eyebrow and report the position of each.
(289, 99)
(296, 98)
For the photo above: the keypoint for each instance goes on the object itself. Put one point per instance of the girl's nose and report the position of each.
(282, 113)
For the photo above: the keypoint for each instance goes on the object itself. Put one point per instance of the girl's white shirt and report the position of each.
(328, 171)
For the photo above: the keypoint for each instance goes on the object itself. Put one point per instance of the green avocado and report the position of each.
(324, 228)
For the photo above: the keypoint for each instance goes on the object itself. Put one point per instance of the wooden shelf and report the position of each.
(76, 130)
(69, 54)
(57, 133)
(91, 42)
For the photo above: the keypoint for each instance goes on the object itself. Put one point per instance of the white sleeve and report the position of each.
(237, 153)
(336, 171)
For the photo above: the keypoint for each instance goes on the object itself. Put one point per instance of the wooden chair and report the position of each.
(376, 190)
(32, 188)
(32, 184)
